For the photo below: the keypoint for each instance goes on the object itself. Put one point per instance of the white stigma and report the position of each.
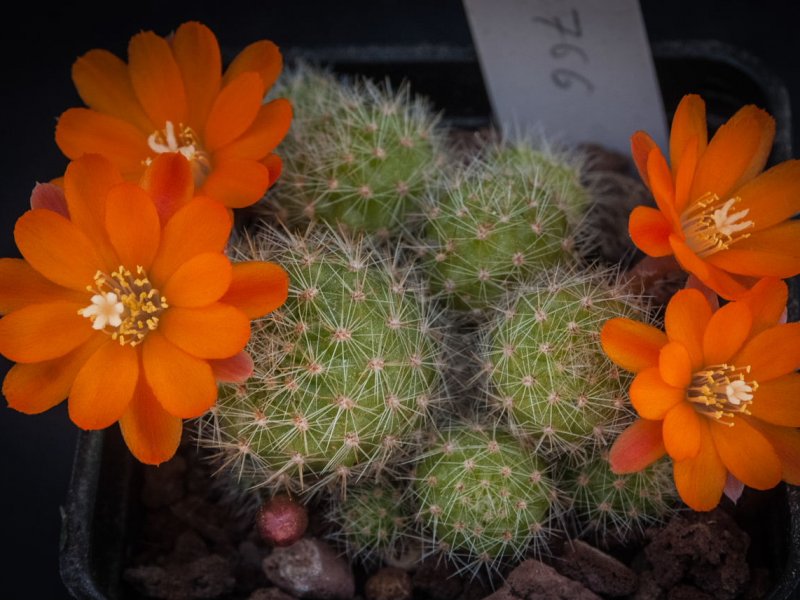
(738, 391)
(729, 224)
(105, 309)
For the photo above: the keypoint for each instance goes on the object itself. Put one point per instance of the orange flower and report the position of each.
(126, 303)
(718, 392)
(723, 221)
(173, 97)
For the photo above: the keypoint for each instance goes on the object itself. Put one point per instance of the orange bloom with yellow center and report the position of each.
(718, 392)
(172, 97)
(126, 303)
(725, 221)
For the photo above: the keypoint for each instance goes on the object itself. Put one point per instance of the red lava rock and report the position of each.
(390, 583)
(282, 521)
(310, 569)
(704, 550)
(596, 570)
(534, 579)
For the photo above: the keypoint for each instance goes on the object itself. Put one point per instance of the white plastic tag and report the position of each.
(575, 70)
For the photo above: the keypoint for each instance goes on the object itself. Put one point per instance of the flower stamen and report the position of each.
(186, 143)
(129, 304)
(710, 228)
(721, 391)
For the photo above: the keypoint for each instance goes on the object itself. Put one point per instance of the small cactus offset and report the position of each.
(483, 497)
(546, 371)
(359, 156)
(345, 372)
(615, 507)
(374, 522)
(498, 221)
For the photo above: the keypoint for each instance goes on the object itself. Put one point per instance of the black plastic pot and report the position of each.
(102, 494)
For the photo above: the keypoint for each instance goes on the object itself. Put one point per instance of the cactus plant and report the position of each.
(374, 522)
(345, 372)
(614, 507)
(545, 368)
(359, 155)
(483, 496)
(506, 215)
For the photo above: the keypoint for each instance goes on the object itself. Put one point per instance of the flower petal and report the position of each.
(777, 401)
(270, 126)
(650, 231)
(701, 480)
(234, 369)
(184, 385)
(21, 285)
(736, 154)
(104, 85)
(773, 252)
(685, 321)
(87, 182)
(234, 110)
(257, 288)
(132, 225)
(151, 433)
(36, 387)
(156, 79)
(725, 333)
(714, 277)
(82, 131)
(202, 225)
(637, 447)
(263, 57)
(215, 331)
(51, 197)
(772, 353)
(786, 443)
(675, 365)
(274, 165)
(104, 386)
(767, 301)
(237, 182)
(747, 454)
(43, 331)
(651, 397)
(682, 432)
(641, 146)
(685, 175)
(773, 196)
(198, 57)
(57, 249)
(663, 187)
(688, 126)
(169, 182)
(201, 280)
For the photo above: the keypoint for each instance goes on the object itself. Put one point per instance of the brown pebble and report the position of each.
(203, 579)
(596, 570)
(534, 579)
(271, 593)
(390, 583)
(687, 592)
(310, 569)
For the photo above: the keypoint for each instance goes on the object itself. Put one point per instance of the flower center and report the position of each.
(721, 391)
(710, 228)
(186, 142)
(128, 304)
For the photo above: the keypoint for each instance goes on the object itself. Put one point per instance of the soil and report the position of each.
(195, 543)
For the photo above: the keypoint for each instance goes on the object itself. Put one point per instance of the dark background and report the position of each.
(38, 49)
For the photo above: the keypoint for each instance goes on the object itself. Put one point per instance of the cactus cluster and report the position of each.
(359, 156)
(346, 372)
(348, 395)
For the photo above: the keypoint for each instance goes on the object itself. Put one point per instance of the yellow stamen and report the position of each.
(720, 392)
(709, 227)
(128, 304)
(185, 142)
